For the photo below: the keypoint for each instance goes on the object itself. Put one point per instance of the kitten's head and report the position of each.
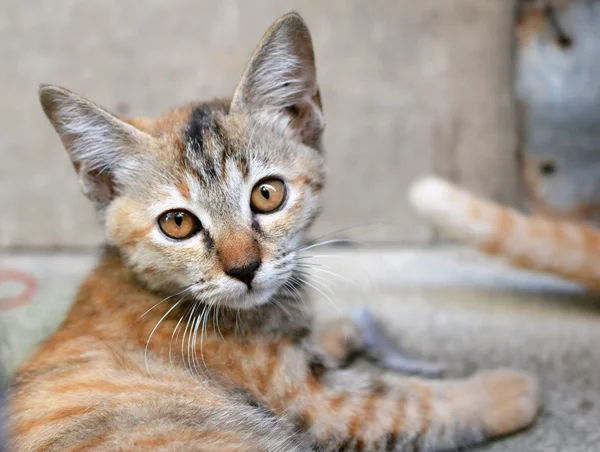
(213, 196)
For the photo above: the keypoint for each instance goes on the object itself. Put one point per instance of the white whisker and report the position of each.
(328, 272)
(317, 280)
(162, 301)
(202, 338)
(187, 325)
(300, 297)
(217, 321)
(328, 242)
(375, 226)
(176, 330)
(192, 357)
(317, 256)
(318, 290)
(281, 306)
(152, 333)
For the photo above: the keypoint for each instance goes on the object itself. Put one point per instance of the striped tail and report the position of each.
(556, 247)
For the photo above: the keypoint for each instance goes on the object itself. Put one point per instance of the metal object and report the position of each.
(558, 86)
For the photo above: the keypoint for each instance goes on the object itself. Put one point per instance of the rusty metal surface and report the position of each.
(558, 82)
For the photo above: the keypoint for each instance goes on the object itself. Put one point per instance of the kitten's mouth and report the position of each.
(241, 296)
(234, 293)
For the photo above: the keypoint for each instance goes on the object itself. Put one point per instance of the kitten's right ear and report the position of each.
(100, 145)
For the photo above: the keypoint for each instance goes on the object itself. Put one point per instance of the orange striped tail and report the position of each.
(560, 248)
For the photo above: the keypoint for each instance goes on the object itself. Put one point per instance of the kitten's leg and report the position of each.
(343, 339)
(340, 340)
(343, 409)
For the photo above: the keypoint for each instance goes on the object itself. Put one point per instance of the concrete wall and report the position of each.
(409, 87)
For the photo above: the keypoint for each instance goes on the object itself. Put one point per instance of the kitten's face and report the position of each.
(212, 179)
(212, 198)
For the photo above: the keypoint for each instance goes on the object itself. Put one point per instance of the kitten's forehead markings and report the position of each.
(202, 119)
(194, 186)
(236, 185)
(206, 141)
(183, 186)
(192, 205)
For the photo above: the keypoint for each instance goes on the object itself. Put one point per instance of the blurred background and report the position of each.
(409, 88)
(500, 96)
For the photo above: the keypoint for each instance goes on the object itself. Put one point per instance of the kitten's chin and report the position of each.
(251, 299)
(244, 299)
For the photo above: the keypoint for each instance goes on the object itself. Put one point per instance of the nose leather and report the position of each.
(240, 255)
(246, 273)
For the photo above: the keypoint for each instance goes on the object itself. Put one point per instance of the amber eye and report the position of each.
(178, 224)
(267, 196)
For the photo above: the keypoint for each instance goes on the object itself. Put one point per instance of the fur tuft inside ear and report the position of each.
(281, 80)
(99, 144)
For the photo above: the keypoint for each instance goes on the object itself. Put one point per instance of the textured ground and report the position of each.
(449, 305)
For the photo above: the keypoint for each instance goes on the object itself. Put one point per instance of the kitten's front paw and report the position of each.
(512, 402)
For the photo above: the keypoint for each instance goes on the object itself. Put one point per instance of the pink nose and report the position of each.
(240, 255)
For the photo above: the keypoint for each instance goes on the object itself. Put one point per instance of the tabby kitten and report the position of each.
(189, 334)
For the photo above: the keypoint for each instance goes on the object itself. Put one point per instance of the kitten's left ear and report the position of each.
(281, 80)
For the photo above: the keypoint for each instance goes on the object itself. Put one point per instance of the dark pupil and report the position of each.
(265, 192)
(178, 219)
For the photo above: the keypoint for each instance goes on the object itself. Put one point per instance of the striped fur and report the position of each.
(561, 248)
(163, 351)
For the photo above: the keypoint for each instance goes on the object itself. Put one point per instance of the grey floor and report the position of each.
(446, 304)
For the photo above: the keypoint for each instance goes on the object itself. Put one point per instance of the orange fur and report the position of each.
(561, 248)
(530, 22)
(113, 373)
(237, 249)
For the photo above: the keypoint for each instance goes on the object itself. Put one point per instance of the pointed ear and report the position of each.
(281, 80)
(100, 145)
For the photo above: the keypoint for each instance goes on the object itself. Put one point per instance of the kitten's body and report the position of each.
(107, 391)
(562, 248)
(168, 347)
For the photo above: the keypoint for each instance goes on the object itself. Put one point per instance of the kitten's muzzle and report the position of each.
(239, 254)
